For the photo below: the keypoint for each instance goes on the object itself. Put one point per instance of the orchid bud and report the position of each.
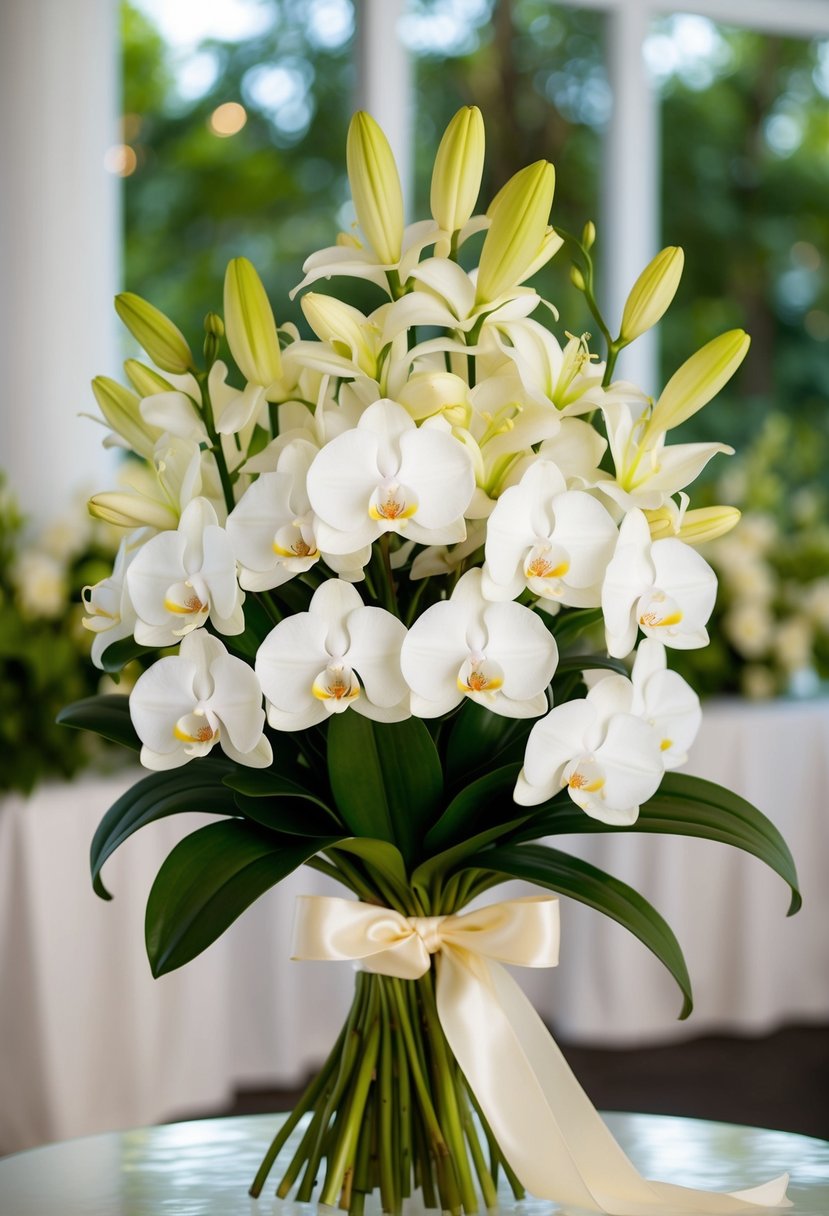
(459, 164)
(520, 213)
(698, 380)
(652, 293)
(161, 339)
(343, 326)
(375, 187)
(121, 410)
(250, 324)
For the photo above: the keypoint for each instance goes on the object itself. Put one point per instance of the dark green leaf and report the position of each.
(482, 804)
(118, 654)
(686, 806)
(208, 880)
(589, 662)
(386, 778)
(567, 626)
(382, 857)
(546, 867)
(107, 716)
(480, 739)
(261, 793)
(196, 788)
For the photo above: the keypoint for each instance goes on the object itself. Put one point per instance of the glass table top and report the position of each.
(204, 1168)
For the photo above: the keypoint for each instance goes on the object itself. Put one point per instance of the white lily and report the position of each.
(500, 655)
(339, 653)
(272, 529)
(665, 701)
(182, 578)
(387, 475)
(186, 703)
(179, 412)
(554, 541)
(648, 470)
(109, 611)
(568, 378)
(607, 758)
(663, 587)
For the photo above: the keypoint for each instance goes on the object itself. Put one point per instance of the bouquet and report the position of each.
(398, 535)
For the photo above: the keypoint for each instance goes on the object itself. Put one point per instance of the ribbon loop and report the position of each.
(545, 1124)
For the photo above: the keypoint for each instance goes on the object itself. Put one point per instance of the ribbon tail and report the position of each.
(545, 1124)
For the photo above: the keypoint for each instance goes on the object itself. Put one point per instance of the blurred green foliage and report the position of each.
(745, 180)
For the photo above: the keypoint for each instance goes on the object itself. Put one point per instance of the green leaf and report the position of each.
(386, 777)
(107, 716)
(208, 880)
(279, 802)
(569, 625)
(481, 738)
(546, 867)
(258, 625)
(482, 804)
(381, 856)
(199, 788)
(687, 806)
(118, 654)
(589, 662)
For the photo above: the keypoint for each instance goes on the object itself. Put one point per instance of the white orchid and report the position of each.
(500, 655)
(663, 587)
(555, 541)
(181, 579)
(339, 654)
(665, 701)
(608, 758)
(388, 475)
(186, 703)
(109, 611)
(273, 530)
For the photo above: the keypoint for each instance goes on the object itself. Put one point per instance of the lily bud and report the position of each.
(652, 293)
(697, 527)
(428, 393)
(520, 213)
(250, 324)
(121, 411)
(375, 187)
(588, 235)
(699, 379)
(131, 511)
(161, 339)
(577, 278)
(343, 326)
(214, 325)
(459, 164)
(144, 380)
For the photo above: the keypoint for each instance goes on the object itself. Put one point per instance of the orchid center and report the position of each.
(658, 611)
(295, 540)
(546, 562)
(196, 728)
(583, 776)
(391, 502)
(337, 686)
(187, 598)
(480, 677)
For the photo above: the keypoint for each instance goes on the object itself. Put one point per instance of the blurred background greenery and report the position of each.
(745, 173)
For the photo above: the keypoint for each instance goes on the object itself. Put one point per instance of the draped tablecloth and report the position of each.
(90, 1042)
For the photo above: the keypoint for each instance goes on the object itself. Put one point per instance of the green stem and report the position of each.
(389, 1158)
(344, 1153)
(389, 573)
(216, 444)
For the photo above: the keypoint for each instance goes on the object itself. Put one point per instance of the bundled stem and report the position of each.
(390, 1109)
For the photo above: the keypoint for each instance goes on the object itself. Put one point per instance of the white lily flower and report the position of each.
(387, 475)
(663, 587)
(648, 470)
(182, 578)
(569, 378)
(339, 653)
(109, 611)
(186, 703)
(272, 529)
(666, 701)
(555, 541)
(500, 655)
(178, 411)
(607, 758)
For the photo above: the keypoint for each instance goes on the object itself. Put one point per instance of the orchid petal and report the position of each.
(522, 644)
(374, 652)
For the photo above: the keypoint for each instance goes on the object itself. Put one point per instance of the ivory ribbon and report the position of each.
(545, 1124)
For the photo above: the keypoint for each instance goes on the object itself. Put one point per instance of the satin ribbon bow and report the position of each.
(545, 1124)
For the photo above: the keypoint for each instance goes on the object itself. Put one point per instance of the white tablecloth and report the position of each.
(90, 1042)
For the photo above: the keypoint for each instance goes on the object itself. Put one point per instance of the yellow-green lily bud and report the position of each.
(375, 187)
(652, 293)
(250, 324)
(131, 511)
(161, 339)
(459, 164)
(144, 380)
(697, 527)
(121, 411)
(577, 278)
(430, 393)
(343, 326)
(214, 325)
(588, 235)
(520, 213)
(698, 380)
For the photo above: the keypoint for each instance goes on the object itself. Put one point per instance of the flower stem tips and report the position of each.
(652, 293)
(161, 339)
